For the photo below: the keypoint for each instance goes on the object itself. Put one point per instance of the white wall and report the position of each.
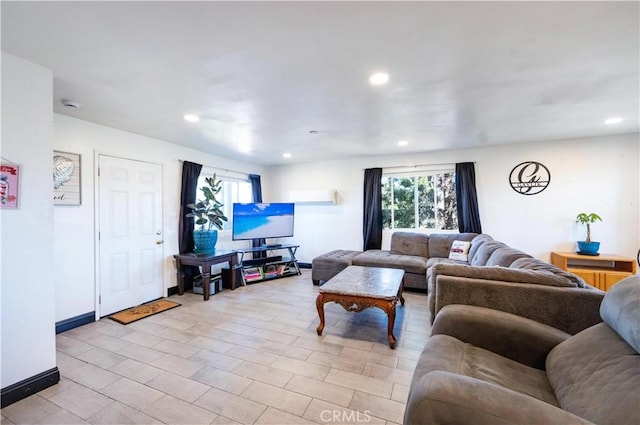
(28, 294)
(598, 174)
(74, 243)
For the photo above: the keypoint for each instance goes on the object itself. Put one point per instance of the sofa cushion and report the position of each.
(409, 243)
(448, 354)
(327, 265)
(476, 243)
(620, 309)
(484, 252)
(341, 257)
(505, 256)
(378, 258)
(440, 243)
(539, 265)
(459, 250)
(436, 260)
(594, 375)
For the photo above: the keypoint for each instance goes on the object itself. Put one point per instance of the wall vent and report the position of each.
(317, 196)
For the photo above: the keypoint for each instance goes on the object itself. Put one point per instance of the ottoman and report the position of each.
(330, 264)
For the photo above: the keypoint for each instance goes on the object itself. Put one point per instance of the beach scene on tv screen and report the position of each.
(253, 221)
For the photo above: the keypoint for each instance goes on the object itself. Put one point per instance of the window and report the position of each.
(425, 200)
(233, 190)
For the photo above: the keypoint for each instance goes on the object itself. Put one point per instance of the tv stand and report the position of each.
(270, 267)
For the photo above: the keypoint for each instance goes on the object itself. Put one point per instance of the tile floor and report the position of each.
(248, 356)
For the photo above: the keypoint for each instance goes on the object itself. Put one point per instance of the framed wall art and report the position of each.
(66, 178)
(9, 185)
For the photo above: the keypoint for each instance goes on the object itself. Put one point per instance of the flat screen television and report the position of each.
(262, 220)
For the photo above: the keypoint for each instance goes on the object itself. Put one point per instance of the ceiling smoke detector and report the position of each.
(70, 103)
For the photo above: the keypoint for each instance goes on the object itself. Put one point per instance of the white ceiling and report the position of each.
(262, 75)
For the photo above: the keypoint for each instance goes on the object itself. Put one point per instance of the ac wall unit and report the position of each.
(319, 197)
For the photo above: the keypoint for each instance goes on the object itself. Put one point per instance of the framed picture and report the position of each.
(66, 178)
(9, 185)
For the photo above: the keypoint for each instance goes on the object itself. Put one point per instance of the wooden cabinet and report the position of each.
(601, 271)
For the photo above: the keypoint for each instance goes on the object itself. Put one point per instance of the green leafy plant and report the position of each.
(209, 210)
(584, 218)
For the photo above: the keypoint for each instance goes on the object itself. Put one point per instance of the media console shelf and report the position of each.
(269, 267)
(601, 271)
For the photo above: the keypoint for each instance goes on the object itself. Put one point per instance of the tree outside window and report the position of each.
(424, 201)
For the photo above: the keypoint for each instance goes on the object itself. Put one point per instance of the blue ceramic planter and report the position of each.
(588, 248)
(205, 240)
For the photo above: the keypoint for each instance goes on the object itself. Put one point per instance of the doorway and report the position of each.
(130, 244)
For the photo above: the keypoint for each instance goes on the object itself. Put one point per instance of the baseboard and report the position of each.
(74, 322)
(304, 265)
(29, 386)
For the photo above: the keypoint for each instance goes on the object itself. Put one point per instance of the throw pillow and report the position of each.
(459, 250)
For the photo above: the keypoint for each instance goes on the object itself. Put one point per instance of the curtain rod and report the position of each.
(418, 165)
(228, 170)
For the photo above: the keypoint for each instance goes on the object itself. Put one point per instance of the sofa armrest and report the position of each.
(448, 398)
(505, 274)
(511, 336)
(569, 309)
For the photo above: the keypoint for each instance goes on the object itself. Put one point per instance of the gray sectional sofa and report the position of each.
(412, 252)
(483, 366)
(494, 275)
(503, 278)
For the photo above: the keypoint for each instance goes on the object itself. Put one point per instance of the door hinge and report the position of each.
(98, 235)
(99, 299)
(98, 171)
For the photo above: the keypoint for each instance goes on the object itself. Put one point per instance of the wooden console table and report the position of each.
(602, 271)
(205, 261)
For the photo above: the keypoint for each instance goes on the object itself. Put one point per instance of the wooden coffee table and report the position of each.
(356, 288)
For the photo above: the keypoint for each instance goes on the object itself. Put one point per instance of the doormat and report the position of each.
(136, 313)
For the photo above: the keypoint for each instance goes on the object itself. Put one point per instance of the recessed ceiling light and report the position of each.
(613, 120)
(403, 143)
(191, 118)
(286, 155)
(379, 78)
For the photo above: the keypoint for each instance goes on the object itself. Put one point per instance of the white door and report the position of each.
(130, 233)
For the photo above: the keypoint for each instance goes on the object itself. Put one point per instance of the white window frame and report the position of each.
(228, 199)
(423, 172)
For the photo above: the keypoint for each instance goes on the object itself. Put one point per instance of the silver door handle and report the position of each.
(159, 242)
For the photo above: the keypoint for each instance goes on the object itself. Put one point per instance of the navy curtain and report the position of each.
(256, 191)
(372, 213)
(190, 174)
(467, 198)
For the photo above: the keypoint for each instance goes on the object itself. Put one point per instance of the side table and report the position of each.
(602, 271)
(205, 261)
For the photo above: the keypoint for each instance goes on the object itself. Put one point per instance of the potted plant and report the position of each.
(588, 247)
(207, 212)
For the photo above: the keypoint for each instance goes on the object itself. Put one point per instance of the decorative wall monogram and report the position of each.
(529, 178)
